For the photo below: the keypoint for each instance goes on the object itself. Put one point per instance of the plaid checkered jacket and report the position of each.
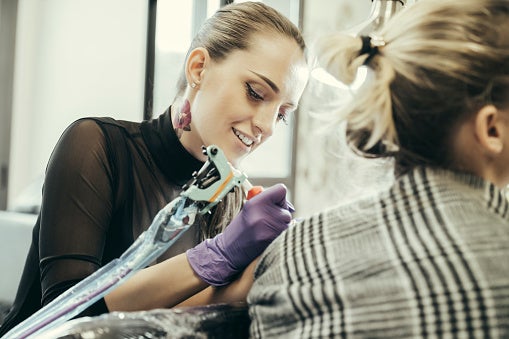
(428, 258)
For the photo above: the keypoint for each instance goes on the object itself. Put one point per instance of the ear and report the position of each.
(196, 62)
(490, 129)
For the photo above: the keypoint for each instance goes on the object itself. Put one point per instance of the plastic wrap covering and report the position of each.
(213, 321)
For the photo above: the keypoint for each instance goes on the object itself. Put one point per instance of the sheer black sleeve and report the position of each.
(76, 210)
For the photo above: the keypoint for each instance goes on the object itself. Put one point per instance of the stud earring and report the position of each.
(193, 85)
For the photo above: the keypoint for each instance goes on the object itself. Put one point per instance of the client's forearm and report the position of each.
(235, 292)
(160, 286)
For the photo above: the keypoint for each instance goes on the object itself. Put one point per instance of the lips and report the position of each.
(244, 138)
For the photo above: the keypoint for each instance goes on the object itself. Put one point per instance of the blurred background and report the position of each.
(61, 60)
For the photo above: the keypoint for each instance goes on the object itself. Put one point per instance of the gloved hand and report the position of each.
(217, 260)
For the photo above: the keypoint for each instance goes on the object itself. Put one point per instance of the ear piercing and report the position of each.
(193, 85)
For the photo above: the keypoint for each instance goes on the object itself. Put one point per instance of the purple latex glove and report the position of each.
(217, 260)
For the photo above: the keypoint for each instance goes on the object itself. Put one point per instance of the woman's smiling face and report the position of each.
(239, 99)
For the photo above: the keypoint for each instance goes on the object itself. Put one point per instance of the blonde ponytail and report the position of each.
(369, 113)
(441, 61)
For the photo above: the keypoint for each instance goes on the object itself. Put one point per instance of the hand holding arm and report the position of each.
(215, 261)
(218, 260)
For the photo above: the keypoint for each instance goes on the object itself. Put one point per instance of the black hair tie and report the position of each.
(366, 45)
(370, 47)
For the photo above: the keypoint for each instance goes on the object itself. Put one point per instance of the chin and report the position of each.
(235, 158)
(237, 161)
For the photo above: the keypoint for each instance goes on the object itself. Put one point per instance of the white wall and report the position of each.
(8, 10)
(16, 231)
(74, 58)
(326, 16)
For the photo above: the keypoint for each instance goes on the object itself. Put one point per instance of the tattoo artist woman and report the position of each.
(245, 71)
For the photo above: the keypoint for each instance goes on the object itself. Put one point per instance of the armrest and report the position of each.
(15, 238)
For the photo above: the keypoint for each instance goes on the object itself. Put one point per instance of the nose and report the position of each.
(264, 121)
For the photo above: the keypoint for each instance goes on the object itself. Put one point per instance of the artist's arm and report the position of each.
(216, 262)
(75, 212)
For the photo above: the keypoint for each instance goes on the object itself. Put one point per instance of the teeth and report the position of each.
(247, 141)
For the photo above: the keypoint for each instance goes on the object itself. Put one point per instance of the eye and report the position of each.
(282, 116)
(284, 113)
(252, 93)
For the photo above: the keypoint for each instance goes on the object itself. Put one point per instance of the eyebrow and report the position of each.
(268, 81)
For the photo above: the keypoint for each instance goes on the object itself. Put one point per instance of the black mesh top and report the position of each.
(105, 181)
